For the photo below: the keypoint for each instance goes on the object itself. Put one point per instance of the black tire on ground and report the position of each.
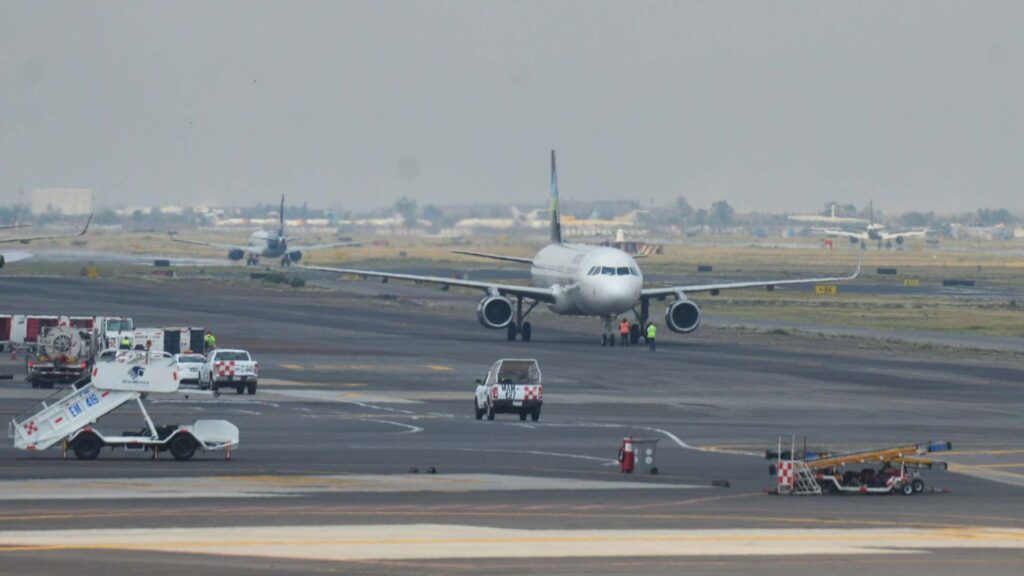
(654, 470)
(87, 446)
(522, 416)
(907, 489)
(47, 385)
(250, 388)
(203, 385)
(604, 339)
(215, 388)
(511, 332)
(33, 383)
(611, 339)
(918, 485)
(527, 331)
(476, 410)
(535, 415)
(490, 411)
(182, 447)
(239, 388)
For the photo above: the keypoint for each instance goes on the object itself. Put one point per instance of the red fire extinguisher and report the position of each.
(626, 456)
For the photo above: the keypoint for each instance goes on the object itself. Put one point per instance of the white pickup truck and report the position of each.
(230, 369)
(510, 386)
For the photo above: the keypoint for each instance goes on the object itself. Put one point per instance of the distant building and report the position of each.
(67, 201)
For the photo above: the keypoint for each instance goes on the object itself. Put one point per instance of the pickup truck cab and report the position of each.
(229, 369)
(510, 386)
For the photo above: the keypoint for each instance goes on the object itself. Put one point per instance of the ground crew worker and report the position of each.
(652, 331)
(210, 342)
(624, 332)
(126, 343)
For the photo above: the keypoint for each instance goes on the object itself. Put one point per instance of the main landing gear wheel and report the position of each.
(527, 331)
(512, 332)
(634, 334)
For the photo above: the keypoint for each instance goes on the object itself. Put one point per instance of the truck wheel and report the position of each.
(490, 411)
(907, 489)
(33, 383)
(182, 447)
(250, 388)
(527, 331)
(240, 388)
(918, 485)
(522, 416)
(476, 410)
(87, 446)
(535, 415)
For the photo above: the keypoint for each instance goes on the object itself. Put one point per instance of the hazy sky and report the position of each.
(771, 105)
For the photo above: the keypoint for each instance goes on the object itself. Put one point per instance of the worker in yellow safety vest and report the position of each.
(652, 332)
(126, 343)
(210, 342)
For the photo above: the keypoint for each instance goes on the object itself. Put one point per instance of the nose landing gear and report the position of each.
(608, 338)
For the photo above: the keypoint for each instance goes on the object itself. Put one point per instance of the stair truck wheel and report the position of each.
(918, 485)
(477, 412)
(535, 415)
(87, 446)
(182, 446)
(250, 388)
(527, 331)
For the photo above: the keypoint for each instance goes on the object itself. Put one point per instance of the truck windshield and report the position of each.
(521, 371)
(120, 325)
(191, 359)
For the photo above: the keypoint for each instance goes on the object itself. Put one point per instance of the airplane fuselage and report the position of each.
(588, 280)
(267, 245)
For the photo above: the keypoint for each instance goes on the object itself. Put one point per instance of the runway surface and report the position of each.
(364, 382)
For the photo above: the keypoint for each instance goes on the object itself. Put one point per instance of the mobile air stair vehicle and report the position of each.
(118, 377)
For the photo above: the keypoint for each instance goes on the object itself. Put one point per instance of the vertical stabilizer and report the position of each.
(280, 219)
(556, 221)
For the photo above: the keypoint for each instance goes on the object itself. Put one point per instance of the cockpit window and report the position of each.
(634, 270)
(594, 270)
(623, 271)
(608, 271)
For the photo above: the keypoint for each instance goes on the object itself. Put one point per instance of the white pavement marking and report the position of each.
(410, 428)
(435, 541)
(277, 486)
(605, 461)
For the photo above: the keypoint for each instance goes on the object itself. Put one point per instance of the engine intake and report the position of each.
(682, 316)
(494, 312)
(295, 256)
(236, 254)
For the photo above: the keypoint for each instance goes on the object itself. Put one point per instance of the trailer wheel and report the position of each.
(535, 415)
(918, 485)
(522, 416)
(87, 446)
(250, 388)
(182, 447)
(907, 489)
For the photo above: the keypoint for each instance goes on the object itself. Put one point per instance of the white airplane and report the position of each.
(263, 244)
(874, 232)
(832, 219)
(578, 279)
(15, 256)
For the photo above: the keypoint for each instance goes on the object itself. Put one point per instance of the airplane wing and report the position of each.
(8, 257)
(908, 234)
(11, 226)
(211, 244)
(669, 290)
(27, 239)
(863, 237)
(542, 294)
(322, 246)
(516, 259)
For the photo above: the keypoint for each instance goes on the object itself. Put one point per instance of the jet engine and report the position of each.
(854, 240)
(236, 254)
(2, 260)
(494, 312)
(682, 316)
(295, 256)
(899, 240)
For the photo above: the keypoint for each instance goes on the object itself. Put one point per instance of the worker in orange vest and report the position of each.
(624, 332)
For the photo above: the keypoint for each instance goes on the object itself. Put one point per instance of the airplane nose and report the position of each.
(623, 295)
